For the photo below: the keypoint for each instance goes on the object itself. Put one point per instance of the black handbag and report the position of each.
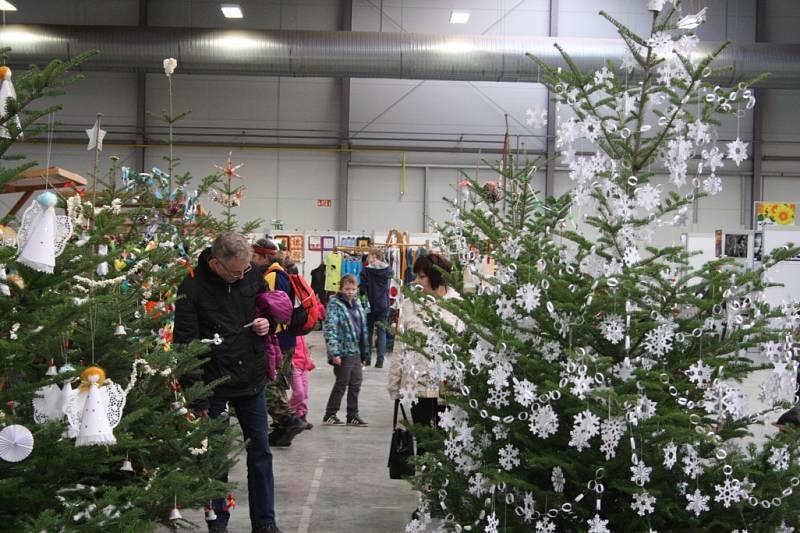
(401, 449)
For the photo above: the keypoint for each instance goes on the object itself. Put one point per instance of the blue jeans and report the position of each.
(380, 341)
(251, 411)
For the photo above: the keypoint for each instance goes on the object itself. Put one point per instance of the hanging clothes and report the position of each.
(352, 266)
(333, 271)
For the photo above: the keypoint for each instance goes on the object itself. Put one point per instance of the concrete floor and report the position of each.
(332, 479)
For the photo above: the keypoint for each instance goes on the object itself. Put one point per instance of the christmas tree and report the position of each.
(96, 432)
(594, 383)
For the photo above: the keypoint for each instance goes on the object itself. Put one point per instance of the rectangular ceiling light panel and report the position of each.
(232, 11)
(5, 5)
(459, 17)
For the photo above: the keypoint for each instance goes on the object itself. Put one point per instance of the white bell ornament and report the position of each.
(43, 235)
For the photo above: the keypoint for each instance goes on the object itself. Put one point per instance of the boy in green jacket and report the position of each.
(346, 339)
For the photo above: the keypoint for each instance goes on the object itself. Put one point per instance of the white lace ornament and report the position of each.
(95, 410)
(779, 458)
(697, 502)
(700, 374)
(729, 492)
(597, 525)
(42, 234)
(737, 151)
(611, 431)
(543, 421)
(643, 503)
(670, 455)
(613, 328)
(586, 425)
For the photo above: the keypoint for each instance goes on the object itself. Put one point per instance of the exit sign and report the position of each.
(324, 203)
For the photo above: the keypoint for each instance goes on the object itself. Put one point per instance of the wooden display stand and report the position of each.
(62, 181)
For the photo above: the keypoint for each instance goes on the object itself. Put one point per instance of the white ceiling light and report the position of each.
(459, 17)
(5, 5)
(231, 11)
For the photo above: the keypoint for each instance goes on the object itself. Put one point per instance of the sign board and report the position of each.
(324, 203)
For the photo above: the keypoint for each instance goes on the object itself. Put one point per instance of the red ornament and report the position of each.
(230, 169)
(230, 502)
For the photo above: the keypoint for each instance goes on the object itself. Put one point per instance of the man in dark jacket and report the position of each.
(375, 281)
(219, 300)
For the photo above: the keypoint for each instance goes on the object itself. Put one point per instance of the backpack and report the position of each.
(307, 308)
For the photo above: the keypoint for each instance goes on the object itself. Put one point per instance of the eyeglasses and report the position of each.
(239, 274)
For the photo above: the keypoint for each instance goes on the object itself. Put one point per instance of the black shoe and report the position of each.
(357, 421)
(379, 364)
(276, 435)
(308, 425)
(217, 529)
(332, 420)
(289, 433)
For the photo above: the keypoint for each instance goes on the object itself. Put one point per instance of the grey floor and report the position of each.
(332, 479)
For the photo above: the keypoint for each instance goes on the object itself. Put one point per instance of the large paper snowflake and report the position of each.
(528, 297)
(779, 459)
(509, 457)
(524, 392)
(729, 492)
(543, 421)
(640, 473)
(648, 197)
(505, 307)
(643, 503)
(712, 185)
(658, 341)
(712, 159)
(623, 370)
(699, 132)
(586, 425)
(478, 485)
(697, 502)
(737, 151)
(491, 523)
(613, 328)
(700, 374)
(597, 525)
(611, 431)
(557, 477)
(670, 455)
(536, 117)
(691, 463)
(581, 384)
(551, 351)
(662, 44)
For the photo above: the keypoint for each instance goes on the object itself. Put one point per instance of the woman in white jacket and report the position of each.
(409, 370)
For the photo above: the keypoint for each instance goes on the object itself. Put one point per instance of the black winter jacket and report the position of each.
(206, 305)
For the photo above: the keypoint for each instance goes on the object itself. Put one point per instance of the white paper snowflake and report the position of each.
(551, 351)
(491, 523)
(528, 507)
(543, 421)
(699, 132)
(662, 44)
(729, 492)
(648, 197)
(623, 370)
(645, 409)
(613, 328)
(592, 129)
(509, 457)
(779, 459)
(640, 473)
(528, 297)
(500, 432)
(597, 525)
(611, 431)
(498, 397)
(737, 151)
(581, 385)
(603, 75)
(524, 392)
(700, 374)
(585, 426)
(723, 400)
(670, 455)
(479, 355)
(593, 265)
(783, 528)
(697, 502)
(658, 341)
(505, 307)
(536, 117)
(643, 503)
(408, 395)
(557, 477)
(712, 185)
(545, 525)
(691, 463)
(478, 485)
(713, 159)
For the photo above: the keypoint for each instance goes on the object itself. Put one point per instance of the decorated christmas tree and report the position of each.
(96, 431)
(594, 381)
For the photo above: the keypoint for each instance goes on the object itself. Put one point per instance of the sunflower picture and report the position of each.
(782, 214)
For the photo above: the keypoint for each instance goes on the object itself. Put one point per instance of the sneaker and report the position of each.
(290, 432)
(379, 364)
(357, 421)
(332, 420)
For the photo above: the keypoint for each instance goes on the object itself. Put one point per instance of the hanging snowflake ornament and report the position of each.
(729, 492)
(524, 392)
(697, 502)
(551, 351)
(536, 117)
(543, 421)
(611, 431)
(585, 426)
(643, 503)
(779, 458)
(700, 374)
(545, 525)
(491, 523)
(631, 256)
(712, 185)
(557, 477)
(658, 341)
(691, 463)
(528, 297)
(640, 473)
(597, 525)
(737, 151)
(613, 328)
(505, 307)
(648, 197)
(670, 455)
(509, 457)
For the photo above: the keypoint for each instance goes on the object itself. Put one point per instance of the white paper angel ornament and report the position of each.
(7, 91)
(96, 409)
(43, 235)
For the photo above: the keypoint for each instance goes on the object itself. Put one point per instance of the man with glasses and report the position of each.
(220, 299)
(267, 257)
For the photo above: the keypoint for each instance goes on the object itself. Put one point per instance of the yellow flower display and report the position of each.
(782, 214)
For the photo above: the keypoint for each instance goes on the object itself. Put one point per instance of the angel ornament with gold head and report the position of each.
(95, 410)
(7, 91)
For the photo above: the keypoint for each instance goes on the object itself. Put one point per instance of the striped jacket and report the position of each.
(341, 337)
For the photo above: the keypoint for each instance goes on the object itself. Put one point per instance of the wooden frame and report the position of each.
(38, 179)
